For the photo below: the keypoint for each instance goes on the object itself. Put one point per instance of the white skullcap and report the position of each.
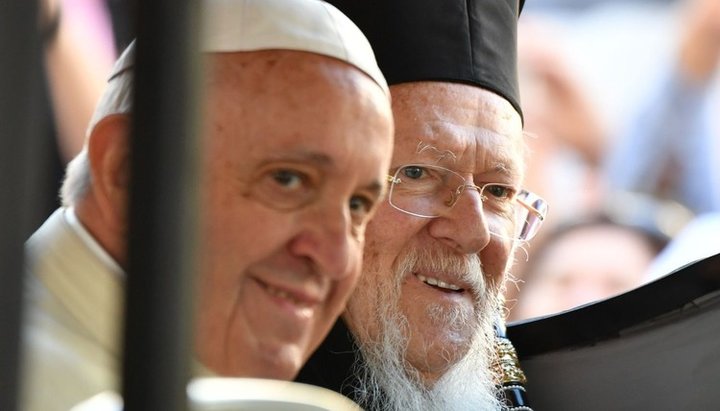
(252, 25)
(304, 25)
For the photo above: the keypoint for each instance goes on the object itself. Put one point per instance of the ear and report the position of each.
(108, 152)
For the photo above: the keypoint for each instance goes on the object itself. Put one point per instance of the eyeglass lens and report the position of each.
(429, 191)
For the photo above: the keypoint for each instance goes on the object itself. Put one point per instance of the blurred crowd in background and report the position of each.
(622, 111)
(621, 102)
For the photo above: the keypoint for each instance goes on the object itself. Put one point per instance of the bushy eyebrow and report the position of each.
(441, 155)
(503, 167)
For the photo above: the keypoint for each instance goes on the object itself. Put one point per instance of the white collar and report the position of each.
(91, 243)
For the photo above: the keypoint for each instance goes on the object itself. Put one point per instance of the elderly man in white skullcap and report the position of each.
(296, 143)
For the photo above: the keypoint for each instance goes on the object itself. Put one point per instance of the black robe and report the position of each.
(331, 366)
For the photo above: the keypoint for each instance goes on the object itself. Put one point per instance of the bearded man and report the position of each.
(419, 330)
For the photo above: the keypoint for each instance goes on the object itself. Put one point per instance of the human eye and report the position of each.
(424, 175)
(284, 187)
(420, 180)
(361, 206)
(414, 172)
(288, 179)
(500, 192)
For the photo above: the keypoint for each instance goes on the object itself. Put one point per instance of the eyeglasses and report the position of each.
(428, 191)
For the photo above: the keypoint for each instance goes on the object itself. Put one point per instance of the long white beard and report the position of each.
(388, 382)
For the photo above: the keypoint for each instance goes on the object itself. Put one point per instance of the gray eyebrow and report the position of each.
(440, 154)
(501, 167)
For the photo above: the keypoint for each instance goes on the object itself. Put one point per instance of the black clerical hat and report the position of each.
(462, 41)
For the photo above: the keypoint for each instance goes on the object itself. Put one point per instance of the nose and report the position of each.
(325, 239)
(463, 227)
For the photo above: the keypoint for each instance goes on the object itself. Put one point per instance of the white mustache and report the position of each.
(468, 267)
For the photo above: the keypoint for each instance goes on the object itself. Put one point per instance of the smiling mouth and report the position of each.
(442, 285)
(303, 305)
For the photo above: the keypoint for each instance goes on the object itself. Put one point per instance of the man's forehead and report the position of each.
(269, 60)
(229, 66)
(450, 140)
(450, 123)
(286, 78)
(433, 105)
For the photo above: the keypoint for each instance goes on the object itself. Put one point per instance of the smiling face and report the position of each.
(296, 151)
(441, 275)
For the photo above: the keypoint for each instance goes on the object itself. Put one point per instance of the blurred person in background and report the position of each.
(78, 51)
(671, 147)
(566, 138)
(598, 256)
(79, 47)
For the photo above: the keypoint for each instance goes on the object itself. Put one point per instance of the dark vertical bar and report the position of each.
(162, 213)
(19, 88)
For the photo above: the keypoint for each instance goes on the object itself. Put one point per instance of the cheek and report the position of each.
(388, 233)
(497, 259)
(236, 234)
(336, 304)
(365, 300)
(383, 245)
(342, 288)
(235, 228)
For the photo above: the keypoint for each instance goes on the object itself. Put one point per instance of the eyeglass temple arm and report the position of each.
(532, 209)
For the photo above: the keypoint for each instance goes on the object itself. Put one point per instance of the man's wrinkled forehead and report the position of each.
(433, 102)
(458, 127)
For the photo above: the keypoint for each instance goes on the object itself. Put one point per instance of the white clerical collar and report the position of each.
(91, 243)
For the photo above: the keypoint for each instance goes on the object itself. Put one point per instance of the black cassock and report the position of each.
(331, 366)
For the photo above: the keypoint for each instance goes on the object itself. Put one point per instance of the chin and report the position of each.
(435, 355)
(280, 363)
